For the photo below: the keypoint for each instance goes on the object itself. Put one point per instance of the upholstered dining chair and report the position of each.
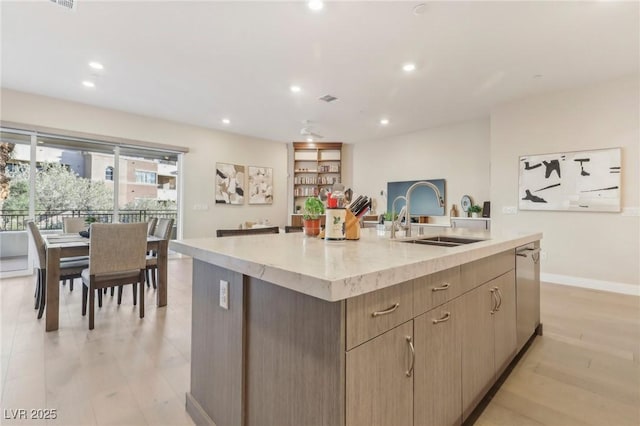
(117, 253)
(73, 225)
(152, 225)
(163, 231)
(69, 269)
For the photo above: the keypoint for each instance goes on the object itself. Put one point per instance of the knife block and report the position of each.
(352, 226)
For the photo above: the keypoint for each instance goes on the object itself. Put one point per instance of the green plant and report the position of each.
(388, 216)
(90, 219)
(313, 208)
(475, 209)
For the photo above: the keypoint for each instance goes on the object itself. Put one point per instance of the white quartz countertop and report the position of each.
(337, 270)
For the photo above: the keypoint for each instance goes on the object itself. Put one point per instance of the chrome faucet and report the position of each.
(407, 224)
(393, 214)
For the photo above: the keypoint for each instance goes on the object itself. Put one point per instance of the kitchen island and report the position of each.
(293, 330)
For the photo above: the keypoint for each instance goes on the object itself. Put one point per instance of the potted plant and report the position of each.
(474, 210)
(313, 209)
(388, 220)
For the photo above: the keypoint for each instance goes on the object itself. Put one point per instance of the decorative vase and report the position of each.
(474, 214)
(311, 227)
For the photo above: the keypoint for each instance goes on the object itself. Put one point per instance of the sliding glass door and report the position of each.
(47, 178)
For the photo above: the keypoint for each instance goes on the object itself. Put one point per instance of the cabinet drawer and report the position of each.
(371, 314)
(480, 271)
(435, 289)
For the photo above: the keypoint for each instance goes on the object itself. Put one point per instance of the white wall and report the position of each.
(206, 148)
(591, 246)
(458, 153)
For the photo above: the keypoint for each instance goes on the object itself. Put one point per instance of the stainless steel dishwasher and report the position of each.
(527, 292)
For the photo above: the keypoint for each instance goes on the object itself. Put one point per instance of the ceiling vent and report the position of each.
(69, 4)
(328, 98)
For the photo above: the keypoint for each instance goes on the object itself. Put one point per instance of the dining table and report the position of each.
(60, 246)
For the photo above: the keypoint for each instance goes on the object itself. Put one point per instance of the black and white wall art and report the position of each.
(260, 185)
(229, 183)
(575, 181)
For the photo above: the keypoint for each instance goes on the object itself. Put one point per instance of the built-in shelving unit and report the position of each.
(315, 165)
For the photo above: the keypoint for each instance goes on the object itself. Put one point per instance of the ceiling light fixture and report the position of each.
(409, 67)
(315, 5)
(226, 121)
(295, 89)
(89, 84)
(384, 121)
(96, 65)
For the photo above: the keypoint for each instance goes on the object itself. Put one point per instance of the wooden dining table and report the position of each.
(59, 246)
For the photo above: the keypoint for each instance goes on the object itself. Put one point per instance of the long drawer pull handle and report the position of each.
(494, 301)
(499, 293)
(409, 372)
(446, 317)
(386, 311)
(444, 287)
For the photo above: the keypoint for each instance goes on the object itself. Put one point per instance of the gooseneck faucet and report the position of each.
(407, 224)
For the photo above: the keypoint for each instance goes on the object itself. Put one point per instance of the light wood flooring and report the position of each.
(585, 370)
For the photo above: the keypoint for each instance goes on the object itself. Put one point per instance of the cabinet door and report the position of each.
(379, 391)
(438, 372)
(478, 366)
(505, 321)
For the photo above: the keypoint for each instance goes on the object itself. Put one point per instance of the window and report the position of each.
(108, 173)
(145, 177)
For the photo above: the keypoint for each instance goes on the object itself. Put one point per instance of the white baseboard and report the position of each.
(611, 286)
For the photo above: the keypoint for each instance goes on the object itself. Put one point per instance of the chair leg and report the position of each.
(148, 275)
(85, 293)
(37, 295)
(153, 277)
(71, 284)
(119, 294)
(43, 293)
(92, 302)
(100, 297)
(141, 298)
(105, 290)
(112, 290)
(135, 289)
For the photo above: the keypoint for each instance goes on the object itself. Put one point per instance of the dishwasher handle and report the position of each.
(534, 252)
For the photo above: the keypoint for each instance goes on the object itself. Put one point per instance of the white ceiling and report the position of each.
(197, 62)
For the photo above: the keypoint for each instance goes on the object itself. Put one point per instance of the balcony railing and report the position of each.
(16, 220)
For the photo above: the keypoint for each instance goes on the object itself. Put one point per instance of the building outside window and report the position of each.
(108, 173)
(146, 177)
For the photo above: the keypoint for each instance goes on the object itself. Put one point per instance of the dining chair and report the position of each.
(152, 225)
(69, 269)
(251, 231)
(117, 254)
(73, 225)
(162, 231)
(289, 229)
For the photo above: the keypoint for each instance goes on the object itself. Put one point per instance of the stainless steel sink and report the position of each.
(444, 241)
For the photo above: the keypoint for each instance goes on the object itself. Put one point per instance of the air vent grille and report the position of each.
(69, 4)
(328, 98)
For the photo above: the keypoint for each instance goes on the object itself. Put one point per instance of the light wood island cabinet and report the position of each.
(422, 352)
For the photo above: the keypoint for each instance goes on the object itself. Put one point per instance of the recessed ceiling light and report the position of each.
(419, 9)
(226, 121)
(295, 89)
(309, 139)
(87, 83)
(384, 121)
(96, 65)
(409, 67)
(315, 5)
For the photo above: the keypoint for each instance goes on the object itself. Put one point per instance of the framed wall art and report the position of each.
(574, 181)
(260, 185)
(229, 183)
